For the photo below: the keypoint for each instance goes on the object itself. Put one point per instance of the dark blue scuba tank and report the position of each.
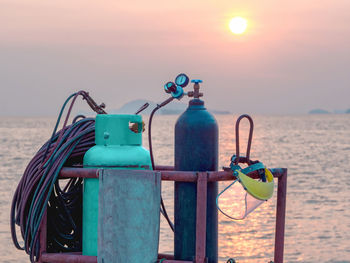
(196, 149)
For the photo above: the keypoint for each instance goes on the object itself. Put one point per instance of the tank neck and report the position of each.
(197, 104)
(115, 129)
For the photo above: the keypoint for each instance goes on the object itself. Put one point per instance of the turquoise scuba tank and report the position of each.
(118, 141)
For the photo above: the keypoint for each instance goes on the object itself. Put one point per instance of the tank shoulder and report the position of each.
(196, 118)
(100, 155)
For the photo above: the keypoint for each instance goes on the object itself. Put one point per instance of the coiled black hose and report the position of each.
(39, 191)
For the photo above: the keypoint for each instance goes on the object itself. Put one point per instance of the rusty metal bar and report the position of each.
(280, 217)
(67, 258)
(166, 256)
(214, 176)
(277, 172)
(168, 174)
(201, 216)
(68, 172)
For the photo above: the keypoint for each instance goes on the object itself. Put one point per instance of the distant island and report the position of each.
(173, 108)
(318, 111)
(322, 111)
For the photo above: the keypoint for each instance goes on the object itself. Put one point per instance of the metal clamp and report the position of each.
(99, 109)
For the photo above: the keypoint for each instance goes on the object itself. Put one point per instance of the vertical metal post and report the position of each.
(201, 217)
(43, 237)
(280, 217)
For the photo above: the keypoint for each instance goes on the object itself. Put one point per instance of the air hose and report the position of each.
(39, 191)
(162, 206)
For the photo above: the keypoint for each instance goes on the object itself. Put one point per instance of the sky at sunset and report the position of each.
(294, 56)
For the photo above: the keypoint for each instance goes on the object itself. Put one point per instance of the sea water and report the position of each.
(314, 148)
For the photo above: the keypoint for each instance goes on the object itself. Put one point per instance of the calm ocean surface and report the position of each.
(314, 148)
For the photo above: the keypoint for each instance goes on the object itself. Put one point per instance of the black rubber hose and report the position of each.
(162, 210)
(39, 191)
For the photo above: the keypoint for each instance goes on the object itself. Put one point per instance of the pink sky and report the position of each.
(294, 56)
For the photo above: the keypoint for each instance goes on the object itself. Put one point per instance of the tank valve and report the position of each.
(195, 94)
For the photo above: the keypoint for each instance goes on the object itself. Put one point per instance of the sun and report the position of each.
(238, 25)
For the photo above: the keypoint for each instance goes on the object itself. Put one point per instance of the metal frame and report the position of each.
(168, 174)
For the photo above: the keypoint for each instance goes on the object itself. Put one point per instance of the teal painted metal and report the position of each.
(196, 149)
(117, 147)
(129, 215)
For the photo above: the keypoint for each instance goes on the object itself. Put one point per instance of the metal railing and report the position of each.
(168, 174)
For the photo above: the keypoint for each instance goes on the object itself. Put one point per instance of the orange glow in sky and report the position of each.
(279, 54)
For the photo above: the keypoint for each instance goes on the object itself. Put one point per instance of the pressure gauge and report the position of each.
(170, 87)
(182, 80)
